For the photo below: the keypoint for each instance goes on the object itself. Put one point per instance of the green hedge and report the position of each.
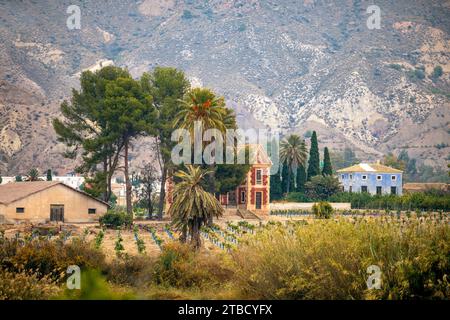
(413, 201)
(432, 200)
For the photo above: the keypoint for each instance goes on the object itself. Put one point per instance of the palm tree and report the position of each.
(192, 206)
(202, 105)
(293, 152)
(33, 175)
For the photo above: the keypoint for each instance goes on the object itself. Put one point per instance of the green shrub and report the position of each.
(395, 66)
(322, 187)
(322, 210)
(118, 246)
(180, 266)
(437, 72)
(99, 239)
(116, 219)
(417, 74)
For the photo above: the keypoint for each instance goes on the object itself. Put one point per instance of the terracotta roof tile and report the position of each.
(370, 167)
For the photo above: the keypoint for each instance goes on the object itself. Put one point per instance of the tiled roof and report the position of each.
(369, 167)
(14, 191)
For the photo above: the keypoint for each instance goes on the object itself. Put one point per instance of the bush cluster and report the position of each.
(179, 266)
(323, 210)
(116, 219)
(431, 200)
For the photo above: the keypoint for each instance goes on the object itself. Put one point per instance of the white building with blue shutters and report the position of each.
(373, 178)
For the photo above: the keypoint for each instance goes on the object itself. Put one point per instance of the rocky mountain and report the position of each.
(292, 65)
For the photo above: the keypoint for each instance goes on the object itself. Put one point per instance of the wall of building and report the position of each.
(37, 206)
(386, 182)
(307, 205)
(252, 188)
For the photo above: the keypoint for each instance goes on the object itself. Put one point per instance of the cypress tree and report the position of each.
(314, 160)
(327, 168)
(275, 186)
(276, 191)
(49, 175)
(301, 178)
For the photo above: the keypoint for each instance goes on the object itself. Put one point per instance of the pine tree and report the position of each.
(314, 159)
(327, 168)
(49, 175)
(300, 179)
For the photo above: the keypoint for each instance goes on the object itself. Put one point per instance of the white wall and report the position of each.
(307, 205)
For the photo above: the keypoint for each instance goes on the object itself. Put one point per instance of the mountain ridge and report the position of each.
(285, 65)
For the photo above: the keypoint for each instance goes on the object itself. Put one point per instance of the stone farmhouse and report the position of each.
(375, 179)
(45, 201)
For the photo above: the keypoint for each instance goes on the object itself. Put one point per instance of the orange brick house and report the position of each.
(253, 194)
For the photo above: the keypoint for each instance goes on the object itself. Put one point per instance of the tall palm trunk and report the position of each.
(183, 236)
(211, 189)
(288, 179)
(195, 235)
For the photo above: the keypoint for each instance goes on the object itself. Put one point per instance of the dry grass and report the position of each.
(308, 259)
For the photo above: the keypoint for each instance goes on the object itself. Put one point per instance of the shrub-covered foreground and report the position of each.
(329, 260)
(325, 259)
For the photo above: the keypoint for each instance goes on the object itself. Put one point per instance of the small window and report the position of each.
(350, 189)
(364, 177)
(379, 190)
(393, 190)
(351, 177)
(379, 178)
(258, 176)
(92, 211)
(242, 196)
(364, 189)
(20, 210)
(393, 178)
(342, 176)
